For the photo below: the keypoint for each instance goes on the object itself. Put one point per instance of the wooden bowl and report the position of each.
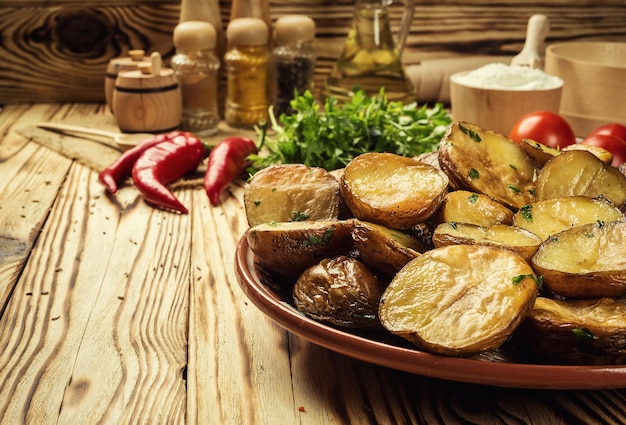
(498, 109)
(594, 73)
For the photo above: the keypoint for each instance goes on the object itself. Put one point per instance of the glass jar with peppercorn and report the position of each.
(247, 70)
(196, 67)
(293, 60)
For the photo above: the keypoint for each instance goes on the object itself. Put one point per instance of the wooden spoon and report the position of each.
(121, 141)
(538, 27)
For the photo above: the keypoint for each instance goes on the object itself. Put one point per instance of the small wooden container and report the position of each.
(135, 57)
(148, 99)
(595, 82)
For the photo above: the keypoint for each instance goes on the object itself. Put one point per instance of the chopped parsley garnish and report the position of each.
(299, 216)
(471, 133)
(319, 240)
(582, 334)
(473, 198)
(526, 213)
(473, 174)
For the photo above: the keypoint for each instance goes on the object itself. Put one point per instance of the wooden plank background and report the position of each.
(58, 50)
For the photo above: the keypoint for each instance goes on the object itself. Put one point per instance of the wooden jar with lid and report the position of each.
(115, 66)
(147, 99)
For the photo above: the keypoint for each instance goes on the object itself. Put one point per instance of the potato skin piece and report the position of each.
(392, 190)
(486, 162)
(551, 216)
(285, 250)
(341, 291)
(580, 173)
(585, 261)
(459, 300)
(576, 332)
(382, 249)
(463, 206)
(291, 192)
(515, 239)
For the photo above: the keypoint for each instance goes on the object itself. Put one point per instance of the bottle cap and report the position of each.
(247, 32)
(195, 35)
(294, 28)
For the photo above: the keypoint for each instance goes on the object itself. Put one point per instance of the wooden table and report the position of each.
(116, 312)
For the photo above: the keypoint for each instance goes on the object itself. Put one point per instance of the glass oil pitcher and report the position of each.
(371, 57)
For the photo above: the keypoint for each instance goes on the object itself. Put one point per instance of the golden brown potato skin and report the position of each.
(486, 162)
(551, 216)
(392, 190)
(503, 236)
(291, 192)
(382, 249)
(286, 249)
(585, 261)
(463, 206)
(341, 291)
(459, 300)
(580, 173)
(576, 331)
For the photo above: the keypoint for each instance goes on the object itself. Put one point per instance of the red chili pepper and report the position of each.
(164, 163)
(227, 160)
(122, 167)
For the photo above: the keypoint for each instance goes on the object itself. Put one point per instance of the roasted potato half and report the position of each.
(462, 206)
(580, 173)
(341, 291)
(545, 218)
(538, 152)
(291, 192)
(601, 153)
(486, 162)
(286, 249)
(460, 299)
(384, 250)
(503, 236)
(576, 331)
(585, 261)
(392, 190)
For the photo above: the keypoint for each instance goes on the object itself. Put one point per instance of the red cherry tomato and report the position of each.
(611, 143)
(612, 129)
(545, 127)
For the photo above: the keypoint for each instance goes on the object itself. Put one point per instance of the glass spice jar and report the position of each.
(293, 60)
(196, 67)
(247, 70)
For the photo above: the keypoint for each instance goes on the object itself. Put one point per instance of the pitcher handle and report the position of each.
(405, 23)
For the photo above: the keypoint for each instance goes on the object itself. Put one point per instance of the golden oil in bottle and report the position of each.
(370, 60)
(247, 69)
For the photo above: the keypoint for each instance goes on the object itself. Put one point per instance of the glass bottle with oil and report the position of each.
(372, 57)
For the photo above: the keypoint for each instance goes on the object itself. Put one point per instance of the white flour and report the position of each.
(509, 77)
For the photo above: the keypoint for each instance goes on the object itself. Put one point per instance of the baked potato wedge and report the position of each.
(576, 331)
(460, 299)
(291, 192)
(586, 261)
(286, 249)
(545, 218)
(392, 190)
(462, 206)
(486, 162)
(580, 173)
(538, 152)
(382, 249)
(341, 291)
(601, 153)
(503, 236)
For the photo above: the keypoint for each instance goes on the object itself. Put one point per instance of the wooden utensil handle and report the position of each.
(77, 129)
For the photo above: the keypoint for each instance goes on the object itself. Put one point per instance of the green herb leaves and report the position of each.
(331, 135)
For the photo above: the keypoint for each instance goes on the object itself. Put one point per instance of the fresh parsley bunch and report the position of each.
(342, 131)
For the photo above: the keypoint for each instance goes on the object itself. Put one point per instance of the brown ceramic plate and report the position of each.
(396, 356)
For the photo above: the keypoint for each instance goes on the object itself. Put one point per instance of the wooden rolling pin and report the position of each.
(431, 78)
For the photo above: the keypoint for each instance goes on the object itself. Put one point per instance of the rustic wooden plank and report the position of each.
(235, 351)
(31, 177)
(60, 53)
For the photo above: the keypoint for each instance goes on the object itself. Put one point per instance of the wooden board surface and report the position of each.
(114, 312)
(59, 50)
